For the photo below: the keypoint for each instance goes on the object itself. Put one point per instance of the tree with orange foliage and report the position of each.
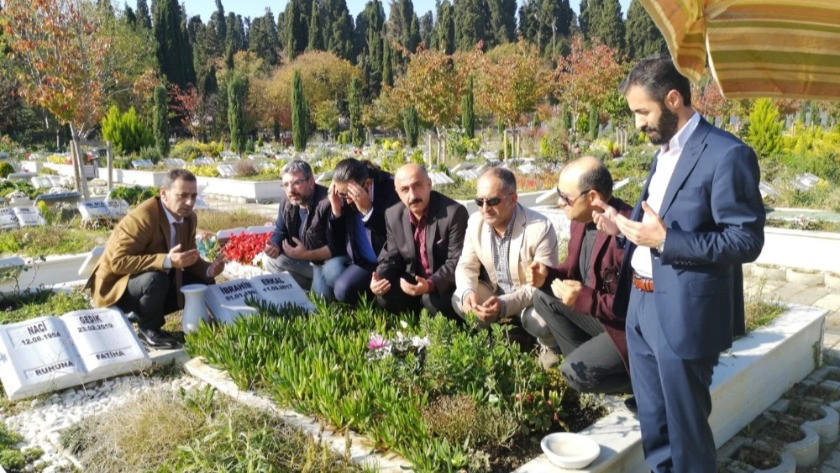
(513, 80)
(587, 77)
(70, 61)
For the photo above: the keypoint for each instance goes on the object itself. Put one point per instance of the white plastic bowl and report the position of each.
(568, 450)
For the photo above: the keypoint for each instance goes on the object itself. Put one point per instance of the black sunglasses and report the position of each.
(568, 200)
(491, 202)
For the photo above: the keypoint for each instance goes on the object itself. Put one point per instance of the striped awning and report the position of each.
(755, 48)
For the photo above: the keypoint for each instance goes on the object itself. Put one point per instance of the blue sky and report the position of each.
(255, 8)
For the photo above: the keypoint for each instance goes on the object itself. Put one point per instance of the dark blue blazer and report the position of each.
(715, 219)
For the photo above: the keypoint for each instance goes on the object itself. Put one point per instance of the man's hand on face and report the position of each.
(360, 195)
(567, 290)
(297, 251)
(379, 286)
(271, 250)
(336, 202)
(182, 259)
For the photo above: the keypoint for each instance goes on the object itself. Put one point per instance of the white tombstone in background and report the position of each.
(174, 163)
(204, 161)
(118, 208)
(225, 170)
(41, 182)
(94, 210)
(29, 216)
(8, 219)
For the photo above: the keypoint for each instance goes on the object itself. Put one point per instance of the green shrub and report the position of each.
(133, 194)
(6, 169)
(126, 131)
(360, 368)
(554, 144)
(191, 149)
(765, 129)
(150, 153)
(458, 145)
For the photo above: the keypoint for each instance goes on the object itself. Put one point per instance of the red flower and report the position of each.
(244, 247)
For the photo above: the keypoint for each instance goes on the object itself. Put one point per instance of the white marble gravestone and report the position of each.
(50, 353)
(94, 210)
(8, 219)
(29, 216)
(227, 301)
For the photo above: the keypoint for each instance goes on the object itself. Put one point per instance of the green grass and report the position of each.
(66, 238)
(196, 431)
(213, 221)
(30, 304)
(12, 459)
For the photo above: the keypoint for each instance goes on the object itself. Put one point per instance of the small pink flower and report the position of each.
(376, 342)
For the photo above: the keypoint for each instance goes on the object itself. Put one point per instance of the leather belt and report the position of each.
(642, 283)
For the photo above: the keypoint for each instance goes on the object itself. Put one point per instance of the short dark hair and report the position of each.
(175, 174)
(598, 179)
(658, 76)
(298, 166)
(351, 169)
(505, 175)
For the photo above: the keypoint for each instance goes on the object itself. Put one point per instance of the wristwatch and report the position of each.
(661, 246)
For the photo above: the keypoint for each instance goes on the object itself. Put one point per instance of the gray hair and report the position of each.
(298, 166)
(505, 175)
(175, 174)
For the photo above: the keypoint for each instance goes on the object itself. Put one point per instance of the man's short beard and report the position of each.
(666, 127)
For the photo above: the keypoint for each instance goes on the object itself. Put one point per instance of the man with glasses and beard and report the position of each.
(576, 297)
(502, 240)
(150, 255)
(425, 238)
(699, 218)
(300, 243)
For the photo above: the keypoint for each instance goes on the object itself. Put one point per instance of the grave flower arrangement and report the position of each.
(207, 245)
(244, 247)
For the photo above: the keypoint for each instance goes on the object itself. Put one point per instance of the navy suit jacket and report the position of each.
(714, 215)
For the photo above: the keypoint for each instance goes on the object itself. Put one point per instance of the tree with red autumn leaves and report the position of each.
(587, 77)
(71, 58)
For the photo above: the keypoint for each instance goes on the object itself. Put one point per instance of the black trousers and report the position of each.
(396, 302)
(151, 295)
(591, 362)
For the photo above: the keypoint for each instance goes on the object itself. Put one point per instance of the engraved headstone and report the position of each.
(8, 219)
(174, 163)
(41, 182)
(94, 210)
(29, 216)
(226, 170)
(142, 163)
(49, 353)
(227, 301)
(204, 161)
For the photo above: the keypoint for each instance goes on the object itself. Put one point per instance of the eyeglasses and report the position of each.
(490, 202)
(294, 183)
(568, 200)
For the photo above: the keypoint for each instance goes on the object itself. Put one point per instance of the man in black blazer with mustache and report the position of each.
(425, 237)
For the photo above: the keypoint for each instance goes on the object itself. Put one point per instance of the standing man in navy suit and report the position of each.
(699, 218)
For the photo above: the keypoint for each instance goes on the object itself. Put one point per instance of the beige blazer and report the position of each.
(139, 243)
(533, 239)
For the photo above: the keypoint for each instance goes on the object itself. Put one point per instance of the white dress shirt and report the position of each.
(669, 155)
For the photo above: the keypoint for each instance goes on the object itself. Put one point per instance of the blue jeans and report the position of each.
(344, 280)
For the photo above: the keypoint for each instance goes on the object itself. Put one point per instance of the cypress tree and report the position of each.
(403, 26)
(471, 23)
(262, 38)
(427, 29)
(143, 16)
(593, 124)
(468, 110)
(411, 126)
(642, 37)
(297, 27)
(217, 19)
(237, 90)
(130, 17)
(173, 50)
(387, 64)
(502, 20)
(354, 106)
(369, 27)
(300, 113)
(161, 121)
(338, 30)
(604, 23)
(316, 36)
(444, 35)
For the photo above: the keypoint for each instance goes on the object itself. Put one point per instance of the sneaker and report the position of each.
(548, 357)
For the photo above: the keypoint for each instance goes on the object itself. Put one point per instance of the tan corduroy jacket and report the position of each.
(139, 243)
(533, 239)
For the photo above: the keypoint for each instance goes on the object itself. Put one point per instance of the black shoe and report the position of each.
(157, 339)
(132, 317)
(630, 404)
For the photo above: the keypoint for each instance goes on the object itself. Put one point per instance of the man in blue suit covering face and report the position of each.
(699, 218)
